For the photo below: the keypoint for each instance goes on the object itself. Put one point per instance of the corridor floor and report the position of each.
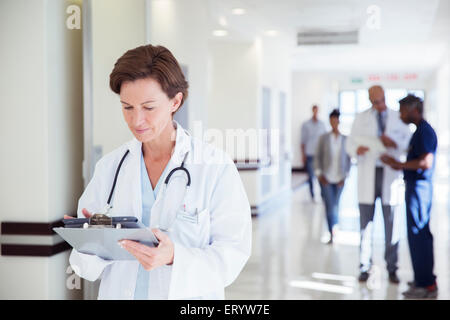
(291, 261)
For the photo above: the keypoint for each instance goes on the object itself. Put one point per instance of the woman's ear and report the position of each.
(176, 101)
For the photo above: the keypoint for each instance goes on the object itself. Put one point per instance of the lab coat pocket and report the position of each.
(191, 228)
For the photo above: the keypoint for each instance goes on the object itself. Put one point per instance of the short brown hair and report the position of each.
(148, 61)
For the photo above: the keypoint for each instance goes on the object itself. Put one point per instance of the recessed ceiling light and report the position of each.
(220, 33)
(238, 11)
(223, 22)
(271, 33)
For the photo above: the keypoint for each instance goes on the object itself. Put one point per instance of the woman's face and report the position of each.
(334, 122)
(146, 108)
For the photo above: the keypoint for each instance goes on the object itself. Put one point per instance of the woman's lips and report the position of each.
(140, 131)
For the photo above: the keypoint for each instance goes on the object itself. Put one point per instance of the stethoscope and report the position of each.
(166, 181)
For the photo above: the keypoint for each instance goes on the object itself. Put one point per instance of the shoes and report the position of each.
(327, 239)
(363, 277)
(393, 278)
(414, 292)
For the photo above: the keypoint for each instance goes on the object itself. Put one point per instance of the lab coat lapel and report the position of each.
(182, 146)
(133, 183)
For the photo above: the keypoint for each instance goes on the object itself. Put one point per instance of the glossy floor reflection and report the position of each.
(290, 260)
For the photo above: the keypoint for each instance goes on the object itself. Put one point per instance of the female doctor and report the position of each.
(201, 215)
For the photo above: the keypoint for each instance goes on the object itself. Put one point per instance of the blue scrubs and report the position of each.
(418, 196)
(148, 199)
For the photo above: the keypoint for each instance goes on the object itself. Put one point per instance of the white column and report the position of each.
(41, 138)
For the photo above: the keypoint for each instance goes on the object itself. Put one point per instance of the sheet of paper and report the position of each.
(376, 147)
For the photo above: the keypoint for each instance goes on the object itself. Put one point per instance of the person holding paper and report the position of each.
(375, 179)
(200, 213)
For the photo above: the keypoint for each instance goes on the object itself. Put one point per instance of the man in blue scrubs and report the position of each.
(418, 174)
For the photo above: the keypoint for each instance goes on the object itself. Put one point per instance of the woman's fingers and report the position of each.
(140, 252)
(161, 236)
(134, 246)
(142, 258)
(86, 213)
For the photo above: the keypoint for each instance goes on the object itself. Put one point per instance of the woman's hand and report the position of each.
(86, 213)
(151, 258)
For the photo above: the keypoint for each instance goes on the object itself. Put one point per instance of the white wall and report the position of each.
(276, 75)
(233, 88)
(116, 27)
(182, 27)
(239, 71)
(42, 130)
(309, 88)
(233, 102)
(437, 106)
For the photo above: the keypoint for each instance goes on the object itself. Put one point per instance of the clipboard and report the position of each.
(103, 242)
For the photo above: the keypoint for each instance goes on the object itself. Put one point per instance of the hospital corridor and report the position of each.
(250, 152)
(291, 261)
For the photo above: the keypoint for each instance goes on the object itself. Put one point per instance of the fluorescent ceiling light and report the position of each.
(238, 11)
(220, 33)
(271, 33)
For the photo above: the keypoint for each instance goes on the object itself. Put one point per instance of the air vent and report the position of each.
(326, 37)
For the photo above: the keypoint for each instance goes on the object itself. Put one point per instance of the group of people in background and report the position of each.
(394, 165)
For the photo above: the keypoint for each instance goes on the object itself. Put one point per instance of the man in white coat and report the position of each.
(375, 131)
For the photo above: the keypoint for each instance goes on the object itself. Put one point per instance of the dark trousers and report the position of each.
(418, 198)
(366, 215)
(310, 170)
(331, 193)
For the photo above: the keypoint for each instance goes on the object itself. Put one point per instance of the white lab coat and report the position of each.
(366, 125)
(208, 256)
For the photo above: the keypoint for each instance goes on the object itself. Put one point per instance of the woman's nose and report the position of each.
(139, 118)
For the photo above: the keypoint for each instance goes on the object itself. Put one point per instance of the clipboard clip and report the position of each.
(101, 220)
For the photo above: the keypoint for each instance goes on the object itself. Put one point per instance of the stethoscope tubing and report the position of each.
(166, 181)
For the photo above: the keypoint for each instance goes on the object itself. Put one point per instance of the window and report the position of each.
(352, 102)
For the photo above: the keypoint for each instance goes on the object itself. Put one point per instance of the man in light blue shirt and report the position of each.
(312, 129)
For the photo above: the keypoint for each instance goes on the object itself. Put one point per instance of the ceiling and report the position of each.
(408, 34)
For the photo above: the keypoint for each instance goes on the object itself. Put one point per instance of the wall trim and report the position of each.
(25, 234)
(34, 250)
(30, 228)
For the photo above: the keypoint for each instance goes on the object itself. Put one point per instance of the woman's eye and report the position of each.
(128, 108)
(148, 108)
